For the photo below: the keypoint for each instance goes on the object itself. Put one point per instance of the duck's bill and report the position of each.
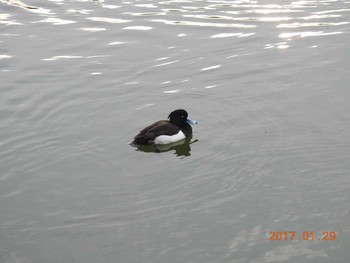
(192, 122)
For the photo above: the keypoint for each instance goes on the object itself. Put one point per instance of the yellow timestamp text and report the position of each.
(306, 235)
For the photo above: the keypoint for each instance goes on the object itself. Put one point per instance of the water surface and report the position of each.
(268, 84)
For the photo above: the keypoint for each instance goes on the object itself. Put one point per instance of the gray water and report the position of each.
(268, 82)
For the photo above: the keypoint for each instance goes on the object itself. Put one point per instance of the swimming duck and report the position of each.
(166, 131)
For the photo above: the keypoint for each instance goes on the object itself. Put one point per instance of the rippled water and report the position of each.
(268, 83)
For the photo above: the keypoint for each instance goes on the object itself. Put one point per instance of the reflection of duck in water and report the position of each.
(18, 3)
(163, 132)
(181, 148)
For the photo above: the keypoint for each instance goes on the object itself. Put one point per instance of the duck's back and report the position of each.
(151, 132)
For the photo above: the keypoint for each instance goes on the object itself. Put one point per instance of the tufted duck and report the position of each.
(166, 131)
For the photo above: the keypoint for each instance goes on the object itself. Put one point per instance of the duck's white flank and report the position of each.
(165, 139)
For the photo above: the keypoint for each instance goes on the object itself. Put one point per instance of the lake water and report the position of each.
(268, 82)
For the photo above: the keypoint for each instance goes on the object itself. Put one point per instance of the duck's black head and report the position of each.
(180, 118)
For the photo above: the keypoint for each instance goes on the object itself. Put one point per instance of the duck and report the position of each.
(176, 128)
